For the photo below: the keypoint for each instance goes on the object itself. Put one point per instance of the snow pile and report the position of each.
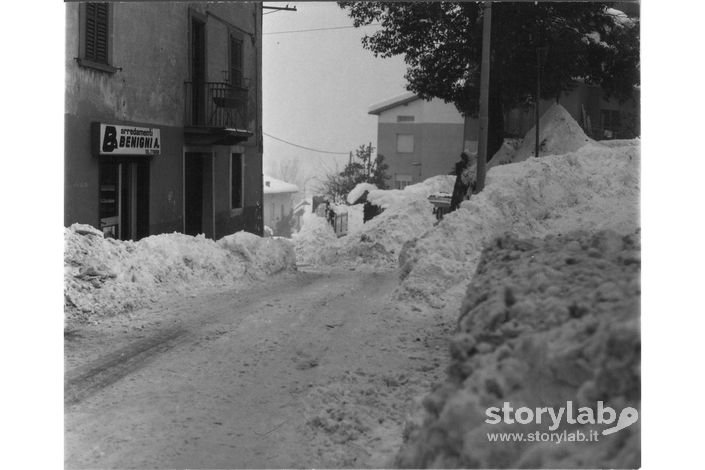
(315, 237)
(407, 215)
(543, 323)
(559, 134)
(266, 255)
(355, 218)
(358, 191)
(106, 276)
(594, 188)
(396, 199)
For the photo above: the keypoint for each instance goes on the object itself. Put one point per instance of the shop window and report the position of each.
(95, 42)
(405, 143)
(237, 181)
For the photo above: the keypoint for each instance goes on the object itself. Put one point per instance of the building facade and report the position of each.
(419, 138)
(163, 118)
(600, 118)
(278, 205)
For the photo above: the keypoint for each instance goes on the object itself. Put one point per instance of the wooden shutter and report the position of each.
(235, 62)
(96, 37)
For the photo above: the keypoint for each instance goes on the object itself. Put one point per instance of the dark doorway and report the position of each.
(124, 199)
(198, 193)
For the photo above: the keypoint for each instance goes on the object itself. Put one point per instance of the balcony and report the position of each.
(216, 113)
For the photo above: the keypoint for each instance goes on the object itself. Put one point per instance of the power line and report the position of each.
(320, 29)
(303, 147)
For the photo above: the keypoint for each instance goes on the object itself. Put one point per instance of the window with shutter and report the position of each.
(235, 62)
(95, 36)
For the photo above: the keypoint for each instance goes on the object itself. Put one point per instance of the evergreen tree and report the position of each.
(364, 169)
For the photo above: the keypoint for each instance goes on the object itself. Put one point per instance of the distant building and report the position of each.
(419, 138)
(163, 117)
(278, 204)
(601, 119)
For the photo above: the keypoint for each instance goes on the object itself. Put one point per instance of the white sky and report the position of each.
(318, 85)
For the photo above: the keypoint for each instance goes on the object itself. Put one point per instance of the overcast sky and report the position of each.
(318, 85)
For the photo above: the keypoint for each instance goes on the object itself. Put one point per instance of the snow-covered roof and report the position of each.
(390, 103)
(275, 186)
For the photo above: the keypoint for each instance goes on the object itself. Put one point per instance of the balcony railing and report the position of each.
(216, 104)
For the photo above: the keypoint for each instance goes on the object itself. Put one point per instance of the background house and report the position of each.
(278, 204)
(419, 138)
(163, 117)
(600, 118)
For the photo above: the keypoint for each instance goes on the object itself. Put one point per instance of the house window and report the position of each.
(237, 182)
(402, 181)
(611, 124)
(405, 143)
(95, 36)
(405, 118)
(235, 74)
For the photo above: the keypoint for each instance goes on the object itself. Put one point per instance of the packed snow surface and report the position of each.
(106, 276)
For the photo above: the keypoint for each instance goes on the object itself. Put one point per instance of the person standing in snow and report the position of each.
(464, 179)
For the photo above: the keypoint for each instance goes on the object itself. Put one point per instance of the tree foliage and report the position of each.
(442, 44)
(363, 169)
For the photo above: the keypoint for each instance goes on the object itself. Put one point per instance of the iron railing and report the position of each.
(216, 104)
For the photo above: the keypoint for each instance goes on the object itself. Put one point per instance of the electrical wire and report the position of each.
(320, 29)
(303, 147)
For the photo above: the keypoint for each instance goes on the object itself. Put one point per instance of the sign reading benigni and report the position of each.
(128, 140)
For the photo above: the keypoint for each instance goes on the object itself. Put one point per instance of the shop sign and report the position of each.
(128, 140)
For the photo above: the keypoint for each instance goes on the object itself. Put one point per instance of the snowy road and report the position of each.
(311, 369)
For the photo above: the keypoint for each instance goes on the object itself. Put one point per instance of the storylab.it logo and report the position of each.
(555, 417)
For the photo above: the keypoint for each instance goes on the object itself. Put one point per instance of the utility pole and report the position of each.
(484, 95)
(541, 52)
(538, 99)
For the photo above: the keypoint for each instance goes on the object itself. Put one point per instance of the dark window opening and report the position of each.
(198, 71)
(235, 75)
(236, 181)
(611, 123)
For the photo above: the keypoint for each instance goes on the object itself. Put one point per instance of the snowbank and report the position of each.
(594, 188)
(396, 199)
(543, 322)
(407, 215)
(106, 276)
(266, 255)
(559, 134)
(316, 235)
(358, 191)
